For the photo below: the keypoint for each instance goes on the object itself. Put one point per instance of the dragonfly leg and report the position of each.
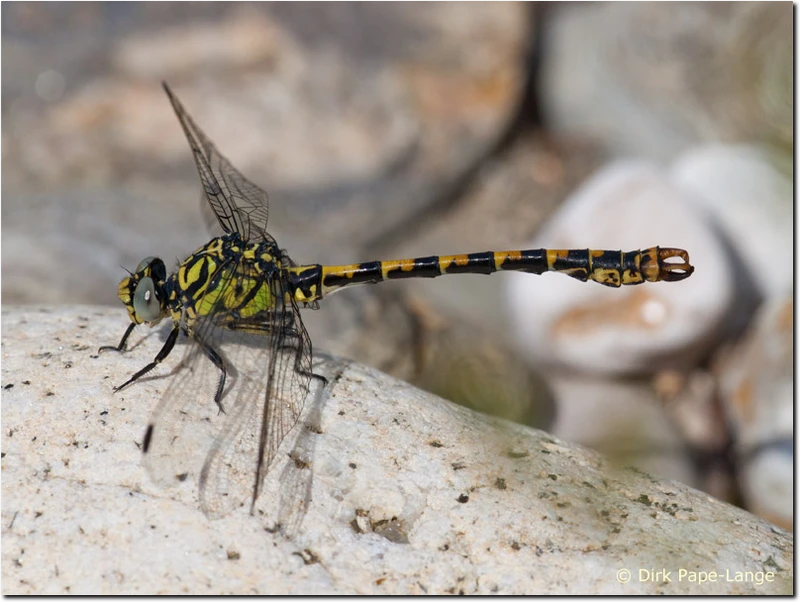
(165, 351)
(292, 334)
(121, 346)
(216, 359)
(319, 377)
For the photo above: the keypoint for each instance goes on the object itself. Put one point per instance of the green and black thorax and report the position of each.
(226, 276)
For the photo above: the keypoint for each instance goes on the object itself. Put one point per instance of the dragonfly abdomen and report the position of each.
(612, 268)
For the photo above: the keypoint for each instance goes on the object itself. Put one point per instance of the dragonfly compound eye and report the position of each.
(145, 301)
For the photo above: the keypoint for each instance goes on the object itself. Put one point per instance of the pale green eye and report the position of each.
(145, 301)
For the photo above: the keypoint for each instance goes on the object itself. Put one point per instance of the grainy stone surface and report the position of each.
(399, 492)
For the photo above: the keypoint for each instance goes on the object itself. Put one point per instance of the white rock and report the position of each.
(752, 202)
(625, 421)
(644, 328)
(757, 387)
(485, 506)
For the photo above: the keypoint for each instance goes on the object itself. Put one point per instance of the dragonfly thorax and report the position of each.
(227, 279)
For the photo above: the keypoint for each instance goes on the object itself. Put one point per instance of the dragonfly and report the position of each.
(238, 298)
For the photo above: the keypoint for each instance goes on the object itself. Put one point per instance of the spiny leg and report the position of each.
(216, 359)
(290, 334)
(316, 376)
(121, 346)
(165, 351)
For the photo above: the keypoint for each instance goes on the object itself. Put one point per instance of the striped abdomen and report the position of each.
(612, 268)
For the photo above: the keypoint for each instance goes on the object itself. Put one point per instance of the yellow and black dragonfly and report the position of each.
(238, 299)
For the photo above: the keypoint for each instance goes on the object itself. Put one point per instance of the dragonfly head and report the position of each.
(143, 292)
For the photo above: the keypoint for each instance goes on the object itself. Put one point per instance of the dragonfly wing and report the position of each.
(213, 225)
(272, 383)
(239, 205)
(268, 361)
(184, 424)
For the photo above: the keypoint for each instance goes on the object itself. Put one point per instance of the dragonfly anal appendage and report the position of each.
(671, 271)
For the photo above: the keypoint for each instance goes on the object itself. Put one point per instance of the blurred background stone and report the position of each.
(757, 385)
(354, 117)
(751, 202)
(647, 80)
(564, 323)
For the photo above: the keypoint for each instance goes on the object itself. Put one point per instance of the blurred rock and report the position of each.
(435, 349)
(652, 79)
(462, 362)
(757, 383)
(752, 203)
(586, 327)
(625, 421)
(355, 114)
(693, 407)
(501, 208)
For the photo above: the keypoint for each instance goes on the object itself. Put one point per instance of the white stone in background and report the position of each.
(757, 386)
(752, 201)
(402, 492)
(625, 421)
(635, 329)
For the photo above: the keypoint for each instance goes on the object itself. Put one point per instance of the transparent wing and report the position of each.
(268, 357)
(239, 205)
(213, 226)
(270, 397)
(185, 423)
